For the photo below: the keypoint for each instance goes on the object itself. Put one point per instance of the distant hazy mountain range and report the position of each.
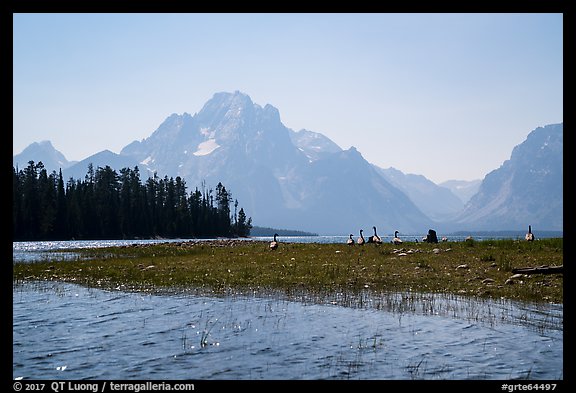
(303, 180)
(527, 188)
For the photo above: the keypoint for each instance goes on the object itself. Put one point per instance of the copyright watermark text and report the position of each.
(99, 387)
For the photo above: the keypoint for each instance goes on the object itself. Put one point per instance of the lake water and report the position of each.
(65, 331)
(31, 251)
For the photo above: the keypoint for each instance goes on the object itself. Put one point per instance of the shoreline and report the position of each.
(481, 269)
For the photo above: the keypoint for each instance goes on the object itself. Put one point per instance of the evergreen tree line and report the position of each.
(111, 205)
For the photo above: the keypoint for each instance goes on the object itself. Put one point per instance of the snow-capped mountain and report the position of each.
(284, 179)
(313, 144)
(303, 180)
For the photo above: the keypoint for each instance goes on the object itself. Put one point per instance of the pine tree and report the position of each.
(244, 225)
(108, 205)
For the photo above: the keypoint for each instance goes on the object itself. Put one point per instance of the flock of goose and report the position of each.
(396, 240)
(371, 239)
(360, 241)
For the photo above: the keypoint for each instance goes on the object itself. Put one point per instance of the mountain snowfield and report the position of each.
(303, 180)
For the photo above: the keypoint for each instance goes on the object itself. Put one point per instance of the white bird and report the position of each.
(274, 243)
(350, 241)
(361, 240)
(530, 235)
(396, 239)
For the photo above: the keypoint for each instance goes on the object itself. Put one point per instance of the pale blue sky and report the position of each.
(447, 96)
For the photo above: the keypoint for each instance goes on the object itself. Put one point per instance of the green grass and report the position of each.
(477, 268)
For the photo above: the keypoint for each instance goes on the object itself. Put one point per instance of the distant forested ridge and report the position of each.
(267, 231)
(111, 205)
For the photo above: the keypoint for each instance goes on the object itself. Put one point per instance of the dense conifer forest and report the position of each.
(111, 205)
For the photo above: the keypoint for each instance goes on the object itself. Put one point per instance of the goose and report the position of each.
(350, 241)
(374, 238)
(274, 243)
(530, 235)
(396, 239)
(361, 240)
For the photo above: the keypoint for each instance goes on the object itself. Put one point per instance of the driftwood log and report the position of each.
(540, 270)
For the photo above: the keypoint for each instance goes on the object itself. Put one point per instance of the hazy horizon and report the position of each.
(447, 96)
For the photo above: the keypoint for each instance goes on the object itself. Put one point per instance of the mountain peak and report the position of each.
(41, 152)
(224, 105)
(230, 99)
(526, 188)
(45, 144)
(42, 145)
(353, 152)
(298, 179)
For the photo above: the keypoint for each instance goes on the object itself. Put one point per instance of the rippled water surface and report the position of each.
(65, 331)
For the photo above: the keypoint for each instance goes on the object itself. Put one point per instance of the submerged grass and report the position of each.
(469, 268)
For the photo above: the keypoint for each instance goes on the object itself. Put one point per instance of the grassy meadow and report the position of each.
(467, 268)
